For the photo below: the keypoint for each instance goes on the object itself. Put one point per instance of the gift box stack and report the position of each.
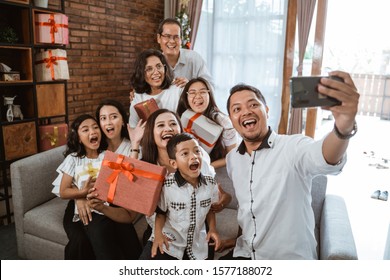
(204, 129)
(130, 183)
(51, 28)
(53, 135)
(51, 65)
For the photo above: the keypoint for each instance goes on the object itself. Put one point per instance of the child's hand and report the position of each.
(83, 210)
(215, 237)
(224, 199)
(159, 241)
(89, 183)
(226, 244)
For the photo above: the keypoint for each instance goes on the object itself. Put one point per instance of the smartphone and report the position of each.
(304, 92)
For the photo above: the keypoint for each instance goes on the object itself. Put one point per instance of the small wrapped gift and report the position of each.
(146, 108)
(204, 129)
(130, 183)
(10, 76)
(51, 65)
(83, 172)
(52, 136)
(51, 28)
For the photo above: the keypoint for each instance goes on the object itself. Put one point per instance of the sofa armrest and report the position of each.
(336, 237)
(32, 178)
(31, 181)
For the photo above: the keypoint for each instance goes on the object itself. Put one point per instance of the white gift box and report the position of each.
(83, 172)
(204, 129)
(51, 65)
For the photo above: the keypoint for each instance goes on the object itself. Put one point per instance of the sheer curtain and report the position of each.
(243, 42)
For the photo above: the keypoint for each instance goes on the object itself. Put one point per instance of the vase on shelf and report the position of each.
(41, 3)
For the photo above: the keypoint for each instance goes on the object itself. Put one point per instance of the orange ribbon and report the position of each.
(129, 171)
(50, 62)
(53, 26)
(189, 130)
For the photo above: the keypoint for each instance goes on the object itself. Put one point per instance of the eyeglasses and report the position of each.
(169, 37)
(159, 67)
(193, 93)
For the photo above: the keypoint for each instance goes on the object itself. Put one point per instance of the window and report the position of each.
(242, 41)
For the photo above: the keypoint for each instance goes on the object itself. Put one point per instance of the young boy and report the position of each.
(184, 205)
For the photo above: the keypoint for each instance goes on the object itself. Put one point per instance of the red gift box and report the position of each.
(130, 183)
(146, 108)
(53, 135)
(52, 28)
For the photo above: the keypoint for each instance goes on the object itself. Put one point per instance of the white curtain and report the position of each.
(242, 41)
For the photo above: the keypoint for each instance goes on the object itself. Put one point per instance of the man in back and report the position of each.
(186, 64)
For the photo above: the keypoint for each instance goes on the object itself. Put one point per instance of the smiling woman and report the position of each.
(153, 79)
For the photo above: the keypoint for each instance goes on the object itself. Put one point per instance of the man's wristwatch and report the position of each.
(342, 136)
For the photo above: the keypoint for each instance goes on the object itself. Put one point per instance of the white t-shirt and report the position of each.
(167, 99)
(273, 189)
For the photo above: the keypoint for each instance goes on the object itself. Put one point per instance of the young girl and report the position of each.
(198, 97)
(109, 228)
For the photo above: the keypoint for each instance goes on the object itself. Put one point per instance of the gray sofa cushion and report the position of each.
(227, 185)
(50, 227)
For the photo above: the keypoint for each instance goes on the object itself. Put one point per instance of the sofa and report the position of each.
(386, 255)
(38, 213)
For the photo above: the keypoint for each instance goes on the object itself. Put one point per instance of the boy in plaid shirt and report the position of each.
(184, 206)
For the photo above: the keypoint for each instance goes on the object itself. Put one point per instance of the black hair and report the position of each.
(240, 87)
(138, 78)
(176, 140)
(73, 143)
(167, 21)
(121, 110)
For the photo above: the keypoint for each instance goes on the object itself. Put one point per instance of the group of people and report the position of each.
(271, 173)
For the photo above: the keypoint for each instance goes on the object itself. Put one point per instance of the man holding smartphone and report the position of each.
(272, 174)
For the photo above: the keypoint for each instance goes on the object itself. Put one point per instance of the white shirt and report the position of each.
(275, 211)
(77, 168)
(191, 65)
(207, 169)
(185, 205)
(167, 99)
(125, 149)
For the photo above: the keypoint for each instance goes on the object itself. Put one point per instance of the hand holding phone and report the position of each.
(304, 92)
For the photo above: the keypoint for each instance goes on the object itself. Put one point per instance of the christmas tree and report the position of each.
(184, 20)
